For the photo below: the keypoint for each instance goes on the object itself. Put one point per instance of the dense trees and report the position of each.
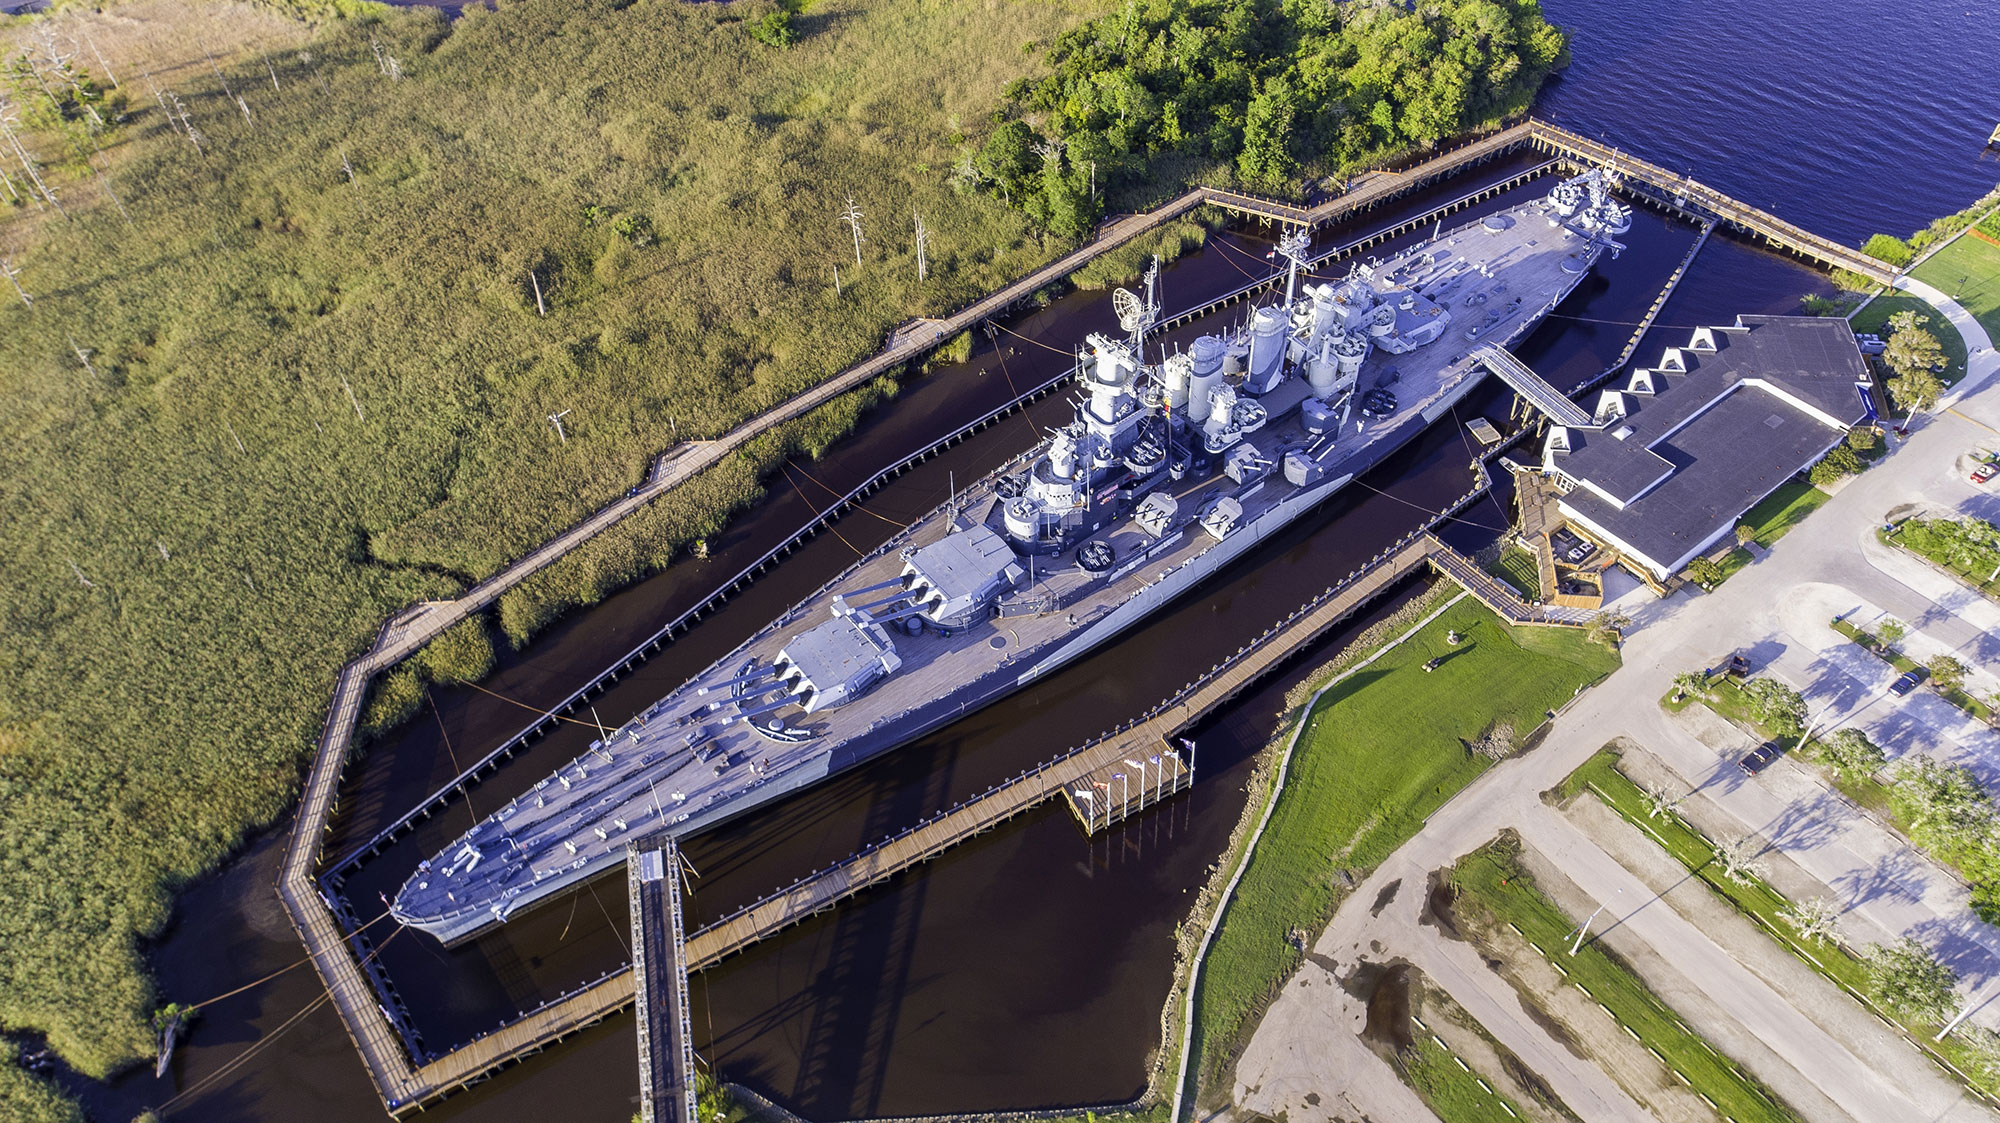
(1263, 91)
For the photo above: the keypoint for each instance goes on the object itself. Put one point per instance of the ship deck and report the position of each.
(644, 778)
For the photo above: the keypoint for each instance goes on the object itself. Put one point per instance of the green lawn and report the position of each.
(1454, 1092)
(1755, 898)
(1968, 271)
(1784, 509)
(1517, 567)
(1877, 312)
(1490, 880)
(1380, 751)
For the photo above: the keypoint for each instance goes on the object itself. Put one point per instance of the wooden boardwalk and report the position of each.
(1687, 194)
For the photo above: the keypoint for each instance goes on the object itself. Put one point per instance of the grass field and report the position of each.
(1784, 509)
(1755, 898)
(1379, 752)
(1490, 881)
(1453, 1091)
(1877, 312)
(323, 352)
(1968, 271)
(1517, 567)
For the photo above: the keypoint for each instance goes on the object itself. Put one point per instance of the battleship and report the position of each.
(1171, 469)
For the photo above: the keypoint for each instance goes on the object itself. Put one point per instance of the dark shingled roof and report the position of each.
(1706, 446)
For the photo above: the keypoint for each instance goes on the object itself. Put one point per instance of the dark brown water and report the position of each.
(1024, 969)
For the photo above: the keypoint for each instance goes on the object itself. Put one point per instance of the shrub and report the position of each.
(1704, 572)
(774, 29)
(1889, 248)
(1839, 463)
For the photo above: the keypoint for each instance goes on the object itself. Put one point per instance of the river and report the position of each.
(1027, 969)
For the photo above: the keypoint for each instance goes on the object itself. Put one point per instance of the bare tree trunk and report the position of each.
(541, 309)
(13, 275)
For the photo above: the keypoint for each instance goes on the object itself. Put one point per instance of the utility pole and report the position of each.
(555, 419)
(1585, 929)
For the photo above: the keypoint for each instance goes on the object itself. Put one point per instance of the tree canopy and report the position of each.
(1914, 354)
(1266, 89)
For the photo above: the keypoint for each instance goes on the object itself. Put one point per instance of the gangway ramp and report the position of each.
(1515, 373)
(659, 965)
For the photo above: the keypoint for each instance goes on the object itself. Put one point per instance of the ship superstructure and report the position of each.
(1170, 470)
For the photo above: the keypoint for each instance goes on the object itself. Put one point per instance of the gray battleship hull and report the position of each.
(712, 750)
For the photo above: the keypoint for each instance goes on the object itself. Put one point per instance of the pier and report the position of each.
(1703, 202)
(337, 957)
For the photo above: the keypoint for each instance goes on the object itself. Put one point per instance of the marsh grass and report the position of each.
(314, 399)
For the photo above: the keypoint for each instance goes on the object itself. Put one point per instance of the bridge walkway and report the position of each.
(1552, 402)
(659, 964)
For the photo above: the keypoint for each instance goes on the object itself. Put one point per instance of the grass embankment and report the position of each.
(1490, 881)
(320, 376)
(1757, 900)
(1378, 753)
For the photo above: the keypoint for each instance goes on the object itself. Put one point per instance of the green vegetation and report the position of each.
(1968, 271)
(1455, 1093)
(1490, 881)
(1907, 980)
(1874, 318)
(1898, 252)
(1889, 248)
(1839, 463)
(1782, 510)
(1517, 567)
(310, 382)
(28, 1099)
(1968, 547)
(1916, 358)
(1259, 92)
(1805, 929)
(1705, 572)
(1378, 753)
(1129, 262)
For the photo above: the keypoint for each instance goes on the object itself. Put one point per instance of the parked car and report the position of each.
(1985, 472)
(1910, 680)
(1761, 757)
